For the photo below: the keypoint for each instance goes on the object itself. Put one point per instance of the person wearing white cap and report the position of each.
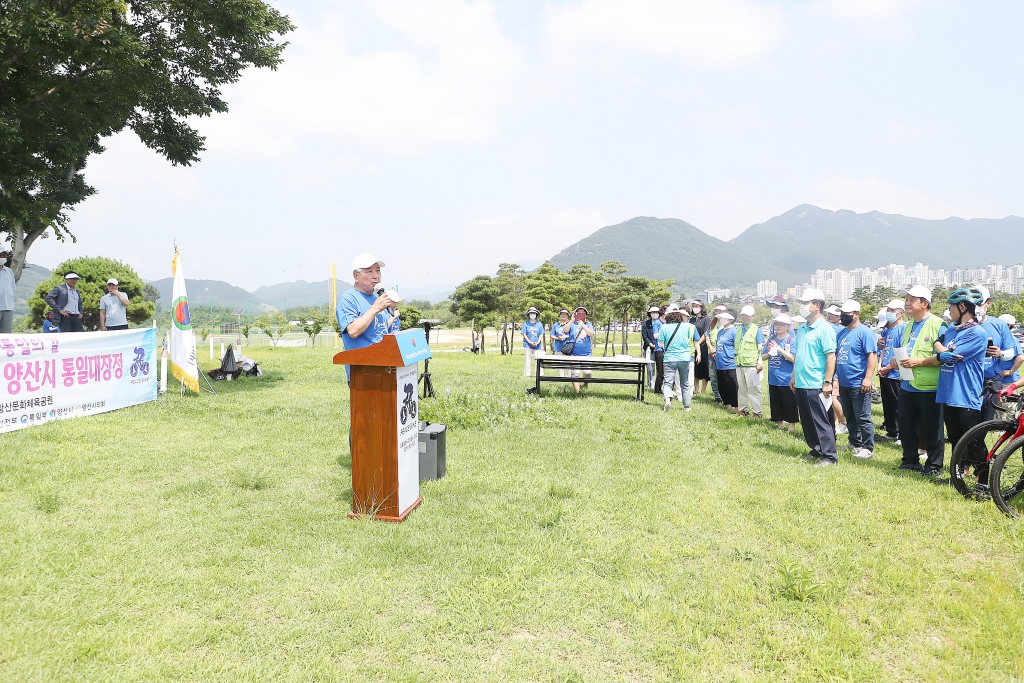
(1003, 357)
(917, 397)
(1009, 319)
(856, 357)
(7, 285)
(113, 308)
(363, 315)
(888, 373)
(748, 340)
(533, 333)
(813, 371)
(701, 368)
(798, 321)
(713, 331)
(652, 348)
(833, 314)
(677, 337)
(725, 359)
(66, 302)
(778, 351)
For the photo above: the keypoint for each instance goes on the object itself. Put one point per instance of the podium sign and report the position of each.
(384, 419)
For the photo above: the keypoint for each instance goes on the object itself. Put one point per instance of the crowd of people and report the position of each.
(938, 375)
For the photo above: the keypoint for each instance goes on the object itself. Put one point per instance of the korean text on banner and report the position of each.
(183, 340)
(60, 376)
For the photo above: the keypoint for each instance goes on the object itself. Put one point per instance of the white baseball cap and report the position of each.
(899, 304)
(725, 316)
(747, 310)
(811, 294)
(113, 281)
(365, 261)
(1008, 319)
(672, 308)
(850, 306)
(881, 317)
(833, 309)
(920, 292)
(783, 318)
(946, 315)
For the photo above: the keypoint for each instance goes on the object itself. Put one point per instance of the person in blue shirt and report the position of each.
(678, 338)
(363, 317)
(832, 315)
(652, 347)
(813, 372)
(888, 372)
(856, 356)
(48, 326)
(560, 330)
(961, 375)
(533, 334)
(581, 332)
(725, 359)
(778, 352)
(1002, 359)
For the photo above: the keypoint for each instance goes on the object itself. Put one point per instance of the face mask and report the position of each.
(891, 317)
(845, 319)
(805, 310)
(655, 316)
(696, 310)
(533, 317)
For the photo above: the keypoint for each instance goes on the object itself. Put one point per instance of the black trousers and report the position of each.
(958, 421)
(783, 403)
(818, 424)
(915, 405)
(659, 364)
(890, 405)
(114, 328)
(728, 387)
(72, 323)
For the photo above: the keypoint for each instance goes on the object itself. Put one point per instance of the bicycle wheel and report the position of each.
(1007, 478)
(974, 452)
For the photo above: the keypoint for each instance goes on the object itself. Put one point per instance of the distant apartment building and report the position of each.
(839, 284)
(710, 295)
(767, 288)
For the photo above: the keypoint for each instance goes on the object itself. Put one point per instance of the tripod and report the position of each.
(428, 386)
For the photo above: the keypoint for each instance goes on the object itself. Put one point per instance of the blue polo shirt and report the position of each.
(353, 304)
(814, 341)
(853, 348)
(557, 331)
(891, 336)
(780, 370)
(725, 349)
(533, 332)
(582, 345)
(961, 383)
(656, 326)
(1004, 339)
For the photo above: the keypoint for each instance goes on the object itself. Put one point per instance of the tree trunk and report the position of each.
(607, 334)
(22, 242)
(481, 341)
(472, 333)
(625, 332)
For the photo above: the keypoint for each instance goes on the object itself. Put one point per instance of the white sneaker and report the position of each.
(897, 442)
(851, 448)
(841, 429)
(864, 453)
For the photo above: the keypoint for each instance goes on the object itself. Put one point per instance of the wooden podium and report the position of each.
(384, 424)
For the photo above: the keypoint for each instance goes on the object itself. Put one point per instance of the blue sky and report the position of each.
(447, 136)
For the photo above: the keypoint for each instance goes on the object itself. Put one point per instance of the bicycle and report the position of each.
(1008, 466)
(978, 447)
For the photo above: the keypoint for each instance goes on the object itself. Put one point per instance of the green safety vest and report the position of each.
(925, 378)
(747, 350)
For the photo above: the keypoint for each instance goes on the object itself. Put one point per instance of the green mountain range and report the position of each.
(790, 247)
(668, 248)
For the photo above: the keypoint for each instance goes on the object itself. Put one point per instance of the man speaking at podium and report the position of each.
(363, 315)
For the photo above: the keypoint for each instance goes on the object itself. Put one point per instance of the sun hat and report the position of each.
(778, 300)
(532, 309)
(920, 292)
(581, 308)
(850, 306)
(365, 260)
(811, 294)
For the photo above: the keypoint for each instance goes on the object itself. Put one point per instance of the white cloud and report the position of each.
(869, 10)
(875, 194)
(703, 34)
(447, 73)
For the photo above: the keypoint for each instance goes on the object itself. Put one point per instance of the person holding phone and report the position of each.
(778, 351)
(581, 332)
(1003, 356)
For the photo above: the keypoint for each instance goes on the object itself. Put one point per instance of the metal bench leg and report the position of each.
(537, 381)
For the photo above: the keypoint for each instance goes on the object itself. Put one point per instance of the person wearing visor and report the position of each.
(7, 285)
(701, 368)
(581, 332)
(749, 370)
(533, 333)
(888, 372)
(678, 338)
(778, 352)
(856, 357)
(66, 303)
(961, 353)
(652, 347)
(113, 308)
(813, 373)
(363, 316)
(1003, 356)
(917, 396)
(713, 331)
(725, 360)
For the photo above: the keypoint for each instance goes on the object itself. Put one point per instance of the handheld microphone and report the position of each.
(379, 290)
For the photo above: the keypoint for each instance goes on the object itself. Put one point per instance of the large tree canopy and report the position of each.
(75, 71)
(95, 272)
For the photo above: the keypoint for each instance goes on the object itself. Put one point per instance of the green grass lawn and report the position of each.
(574, 539)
